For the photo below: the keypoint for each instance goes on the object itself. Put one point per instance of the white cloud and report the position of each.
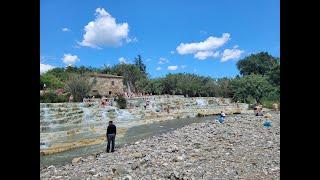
(158, 68)
(202, 55)
(209, 44)
(123, 60)
(65, 29)
(172, 68)
(229, 54)
(45, 67)
(163, 60)
(171, 52)
(70, 59)
(128, 40)
(104, 31)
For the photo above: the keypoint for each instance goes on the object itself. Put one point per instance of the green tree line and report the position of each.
(259, 80)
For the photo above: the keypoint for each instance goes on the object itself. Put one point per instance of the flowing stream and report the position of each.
(132, 135)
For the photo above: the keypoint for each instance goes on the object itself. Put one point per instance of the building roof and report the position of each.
(105, 75)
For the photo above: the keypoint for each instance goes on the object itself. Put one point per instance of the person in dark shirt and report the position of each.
(111, 135)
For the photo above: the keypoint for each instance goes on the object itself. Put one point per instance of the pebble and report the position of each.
(242, 150)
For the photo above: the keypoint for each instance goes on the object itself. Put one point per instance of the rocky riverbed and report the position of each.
(240, 148)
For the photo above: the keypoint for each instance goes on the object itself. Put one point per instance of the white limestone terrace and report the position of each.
(65, 126)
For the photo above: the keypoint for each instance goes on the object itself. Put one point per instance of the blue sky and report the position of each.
(205, 37)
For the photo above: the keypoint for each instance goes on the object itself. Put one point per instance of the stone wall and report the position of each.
(107, 85)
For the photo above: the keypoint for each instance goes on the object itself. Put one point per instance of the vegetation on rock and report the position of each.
(79, 86)
(121, 102)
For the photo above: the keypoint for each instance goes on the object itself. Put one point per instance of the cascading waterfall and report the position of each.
(201, 102)
(66, 124)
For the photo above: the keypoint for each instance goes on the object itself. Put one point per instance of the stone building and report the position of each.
(106, 85)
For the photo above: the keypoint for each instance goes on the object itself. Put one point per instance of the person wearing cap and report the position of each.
(111, 135)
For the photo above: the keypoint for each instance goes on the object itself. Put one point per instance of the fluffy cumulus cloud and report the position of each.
(209, 48)
(172, 68)
(229, 54)
(105, 31)
(65, 29)
(45, 67)
(70, 59)
(158, 68)
(209, 44)
(123, 60)
(163, 60)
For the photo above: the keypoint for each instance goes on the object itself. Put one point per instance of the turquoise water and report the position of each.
(132, 135)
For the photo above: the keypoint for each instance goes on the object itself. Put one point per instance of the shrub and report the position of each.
(52, 97)
(79, 86)
(51, 81)
(121, 102)
(267, 103)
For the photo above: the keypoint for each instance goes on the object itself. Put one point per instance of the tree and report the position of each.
(59, 73)
(252, 86)
(224, 88)
(71, 69)
(274, 75)
(138, 62)
(50, 81)
(79, 86)
(143, 85)
(260, 63)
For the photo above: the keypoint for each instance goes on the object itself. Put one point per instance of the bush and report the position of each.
(268, 103)
(51, 81)
(121, 102)
(79, 86)
(52, 97)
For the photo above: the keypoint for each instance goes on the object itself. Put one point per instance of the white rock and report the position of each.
(127, 177)
(76, 160)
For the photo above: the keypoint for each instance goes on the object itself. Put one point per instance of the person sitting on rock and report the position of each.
(86, 101)
(168, 109)
(103, 101)
(111, 102)
(222, 116)
(70, 98)
(111, 135)
(258, 110)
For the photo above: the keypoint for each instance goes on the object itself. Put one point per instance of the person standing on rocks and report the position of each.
(111, 135)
